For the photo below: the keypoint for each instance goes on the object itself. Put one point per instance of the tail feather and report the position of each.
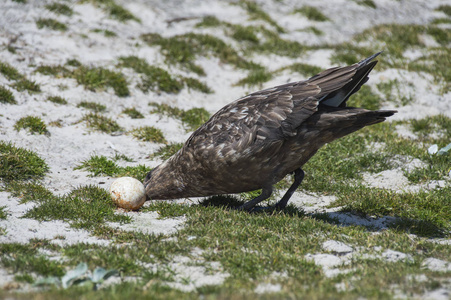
(337, 122)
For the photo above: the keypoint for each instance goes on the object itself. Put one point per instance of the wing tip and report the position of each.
(365, 61)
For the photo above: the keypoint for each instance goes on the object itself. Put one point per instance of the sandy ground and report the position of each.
(67, 146)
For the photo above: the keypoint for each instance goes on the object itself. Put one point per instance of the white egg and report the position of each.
(128, 192)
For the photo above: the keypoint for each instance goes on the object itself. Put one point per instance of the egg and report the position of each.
(128, 193)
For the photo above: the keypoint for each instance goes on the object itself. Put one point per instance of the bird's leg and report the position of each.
(266, 192)
(298, 176)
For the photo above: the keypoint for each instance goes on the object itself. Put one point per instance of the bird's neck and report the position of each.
(166, 182)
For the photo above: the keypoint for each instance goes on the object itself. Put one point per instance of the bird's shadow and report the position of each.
(342, 218)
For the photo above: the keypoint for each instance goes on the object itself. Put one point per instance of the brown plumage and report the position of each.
(254, 142)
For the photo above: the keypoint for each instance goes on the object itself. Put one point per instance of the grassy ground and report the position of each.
(389, 238)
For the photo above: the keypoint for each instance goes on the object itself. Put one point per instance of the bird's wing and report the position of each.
(269, 116)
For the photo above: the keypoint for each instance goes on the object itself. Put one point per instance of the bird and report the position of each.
(255, 141)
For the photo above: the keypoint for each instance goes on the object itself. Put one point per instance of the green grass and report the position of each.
(58, 71)
(28, 191)
(445, 8)
(6, 96)
(196, 84)
(105, 32)
(438, 63)
(369, 3)
(101, 123)
(313, 30)
(101, 165)
(366, 98)
(10, 72)
(96, 107)
(24, 258)
(73, 62)
(441, 21)
(51, 24)
(395, 40)
(27, 85)
(20, 164)
(244, 34)
(27, 278)
(209, 21)
(256, 13)
(86, 207)
(57, 100)
(430, 211)
(311, 13)
(3, 213)
(133, 113)
(92, 78)
(393, 93)
(114, 10)
(149, 134)
(156, 79)
(31, 123)
(191, 118)
(97, 79)
(119, 13)
(305, 69)
(21, 83)
(251, 248)
(184, 49)
(167, 151)
(60, 9)
(273, 43)
(256, 77)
